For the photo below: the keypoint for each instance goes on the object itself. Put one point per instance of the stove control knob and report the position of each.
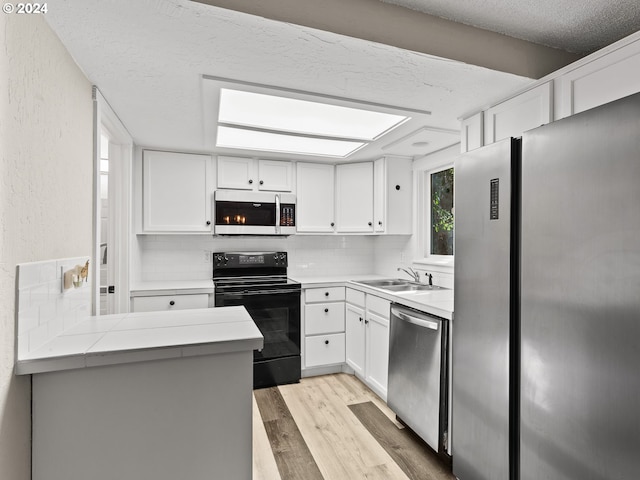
(283, 256)
(226, 259)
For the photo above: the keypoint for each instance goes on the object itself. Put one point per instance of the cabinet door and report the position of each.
(393, 187)
(275, 175)
(377, 355)
(354, 323)
(322, 318)
(159, 303)
(354, 196)
(176, 196)
(514, 116)
(600, 81)
(315, 198)
(379, 195)
(471, 135)
(236, 173)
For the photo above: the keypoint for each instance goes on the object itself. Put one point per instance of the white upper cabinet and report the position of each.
(275, 175)
(315, 198)
(177, 191)
(392, 196)
(240, 173)
(472, 133)
(518, 114)
(354, 197)
(601, 81)
(236, 173)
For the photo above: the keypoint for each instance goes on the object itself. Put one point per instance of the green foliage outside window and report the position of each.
(442, 212)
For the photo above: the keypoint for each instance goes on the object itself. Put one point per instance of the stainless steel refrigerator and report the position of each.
(546, 332)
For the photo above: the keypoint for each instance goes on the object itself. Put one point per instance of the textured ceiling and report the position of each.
(580, 26)
(148, 58)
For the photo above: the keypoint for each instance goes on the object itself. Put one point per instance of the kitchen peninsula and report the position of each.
(157, 395)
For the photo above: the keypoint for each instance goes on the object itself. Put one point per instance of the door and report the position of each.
(109, 266)
(580, 296)
(236, 173)
(482, 305)
(355, 338)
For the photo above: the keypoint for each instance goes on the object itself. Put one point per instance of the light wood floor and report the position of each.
(342, 447)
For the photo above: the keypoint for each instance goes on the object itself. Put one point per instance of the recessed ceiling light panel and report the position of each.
(230, 137)
(292, 115)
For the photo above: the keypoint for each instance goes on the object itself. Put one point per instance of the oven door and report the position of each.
(276, 312)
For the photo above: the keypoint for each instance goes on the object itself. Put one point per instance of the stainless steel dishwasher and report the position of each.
(417, 391)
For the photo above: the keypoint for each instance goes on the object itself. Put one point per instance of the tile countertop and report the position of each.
(436, 302)
(132, 337)
(184, 287)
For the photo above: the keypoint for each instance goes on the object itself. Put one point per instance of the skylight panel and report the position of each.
(275, 142)
(284, 114)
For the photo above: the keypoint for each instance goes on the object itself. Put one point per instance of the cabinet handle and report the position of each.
(261, 182)
(370, 224)
(326, 294)
(326, 310)
(397, 187)
(326, 342)
(333, 224)
(250, 181)
(208, 222)
(380, 222)
(172, 303)
(360, 319)
(366, 321)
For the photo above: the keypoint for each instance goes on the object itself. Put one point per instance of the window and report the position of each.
(440, 211)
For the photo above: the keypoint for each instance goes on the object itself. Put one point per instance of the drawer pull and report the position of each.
(326, 310)
(172, 303)
(360, 319)
(326, 342)
(326, 294)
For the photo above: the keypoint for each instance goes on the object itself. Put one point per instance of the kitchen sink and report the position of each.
(385, 282)
(399, 285)
(411, 287)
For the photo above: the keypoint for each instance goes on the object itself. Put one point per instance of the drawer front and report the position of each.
(169, 302)
(379, 305)
(330, 294)
(354, 297)
(324, 350)
(324, 318)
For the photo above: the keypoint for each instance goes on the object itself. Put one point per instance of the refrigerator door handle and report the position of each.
(416, 321)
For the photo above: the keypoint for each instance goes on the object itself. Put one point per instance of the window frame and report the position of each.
(424, 220)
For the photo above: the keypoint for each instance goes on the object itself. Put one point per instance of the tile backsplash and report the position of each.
(43, 308)
(182, 257)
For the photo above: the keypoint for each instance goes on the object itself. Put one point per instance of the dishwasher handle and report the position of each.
(420, 322)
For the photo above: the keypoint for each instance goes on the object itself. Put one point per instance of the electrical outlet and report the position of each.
(207, 256)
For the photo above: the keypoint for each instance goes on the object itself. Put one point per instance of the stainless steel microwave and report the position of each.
(254, 213)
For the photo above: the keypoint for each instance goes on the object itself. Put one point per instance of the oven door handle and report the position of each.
(259, 292)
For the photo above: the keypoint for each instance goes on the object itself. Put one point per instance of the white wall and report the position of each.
(45, 191)
(182, 257)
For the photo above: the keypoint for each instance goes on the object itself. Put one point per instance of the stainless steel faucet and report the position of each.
(411, 272)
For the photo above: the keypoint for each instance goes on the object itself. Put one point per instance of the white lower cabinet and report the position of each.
(354, 319)
(367, 339)
(158, 303)
(324, 317)
(323, 350)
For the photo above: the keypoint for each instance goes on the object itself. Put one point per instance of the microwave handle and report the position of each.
(277, 213)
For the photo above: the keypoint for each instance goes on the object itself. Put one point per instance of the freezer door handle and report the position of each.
(415, 320)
